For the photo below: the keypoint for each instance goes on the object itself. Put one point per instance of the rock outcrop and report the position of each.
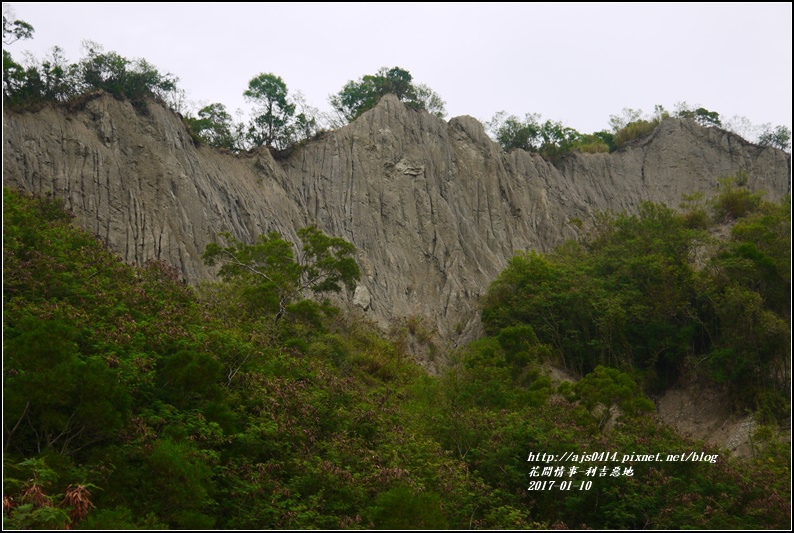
(435, 208)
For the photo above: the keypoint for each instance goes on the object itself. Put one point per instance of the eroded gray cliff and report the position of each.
(435, 208)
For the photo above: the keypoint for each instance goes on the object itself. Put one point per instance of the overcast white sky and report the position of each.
(577, 63)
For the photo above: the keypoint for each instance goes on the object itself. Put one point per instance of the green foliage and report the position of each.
(595, 143)
(631, 125)
(550, 139)
(607, 138)
(512, 133)
(734, 200)
(778, 137)
(557, 140)
(121, 77)
(26, 504)
(630, 297)
(701, 115)
(201, 414)
(307, 121)
(605, 388)
(750, 288)
(214, 126)
(66, 401)
(15, 30)
(694, 211)
(190, 376)
(626, 117)
(356, 97)
(183, 484)
(619, 299)
(634, 130)
(429, 100)
(56, 80)
(273, 274)
(402, 508)
(120, 518)
(273, 116)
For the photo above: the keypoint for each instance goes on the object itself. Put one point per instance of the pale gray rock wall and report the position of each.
(435, 208)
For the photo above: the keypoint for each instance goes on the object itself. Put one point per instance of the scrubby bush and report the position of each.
(634, 130)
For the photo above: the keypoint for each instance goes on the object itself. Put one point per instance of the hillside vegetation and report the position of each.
(135, 401)
(658, 295)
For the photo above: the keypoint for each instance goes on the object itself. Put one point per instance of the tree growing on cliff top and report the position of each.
(214, 126)
(356, 97)
(778, 137)
(14, 29)
(272, 122)
(550, 139)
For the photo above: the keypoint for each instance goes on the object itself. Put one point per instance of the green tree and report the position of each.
(17, 82)
(306, 120)
(779, 137)
(557, 140)
(122, 77)
(356, 97)
(620, 298)
(178, 485)
(605, 388)
(701, 115)
(214, 126)
(15, 76)
(276, 276)
(59, 78)
(15, 30)
(430, 101)
(550, 139)
(626, 117)
(57, 398)
(511, 132)
(272, 122)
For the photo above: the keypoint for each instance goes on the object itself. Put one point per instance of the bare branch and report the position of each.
(13, 430)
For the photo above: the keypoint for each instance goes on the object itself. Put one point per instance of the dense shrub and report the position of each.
(634, 130)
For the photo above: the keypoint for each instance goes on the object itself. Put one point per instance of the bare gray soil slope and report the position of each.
(435, 208)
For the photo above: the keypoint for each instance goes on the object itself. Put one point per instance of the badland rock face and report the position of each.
(435, 208)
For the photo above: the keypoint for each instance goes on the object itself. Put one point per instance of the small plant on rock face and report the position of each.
(694, 210)
(734, 200)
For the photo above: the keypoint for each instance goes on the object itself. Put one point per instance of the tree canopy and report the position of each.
(272, 121)
(356, 97)
(550, 139)
(777, 137)
(629, 296)
(270, 267)
(214, 126)
(15, 30)
(57, 80)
